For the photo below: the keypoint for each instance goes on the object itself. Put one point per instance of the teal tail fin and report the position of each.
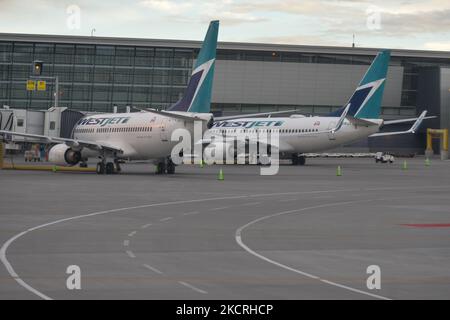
(197, 97)
(367, 98)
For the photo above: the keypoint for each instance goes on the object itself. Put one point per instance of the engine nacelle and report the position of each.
(63, 155)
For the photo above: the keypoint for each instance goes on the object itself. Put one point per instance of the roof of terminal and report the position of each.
(222, 45)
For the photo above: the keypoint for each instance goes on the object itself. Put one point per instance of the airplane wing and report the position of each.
(173, 114)
(413, 129)
(70, 142)
(252, 115)
(341, 119)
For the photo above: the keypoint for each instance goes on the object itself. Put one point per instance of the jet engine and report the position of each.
(62, 154)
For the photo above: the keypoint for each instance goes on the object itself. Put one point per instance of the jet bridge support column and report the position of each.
(437, 133)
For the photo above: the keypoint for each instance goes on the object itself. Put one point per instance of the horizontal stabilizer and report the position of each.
(413, 128)
(361, 122)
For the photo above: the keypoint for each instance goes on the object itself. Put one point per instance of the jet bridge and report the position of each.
(54, 122)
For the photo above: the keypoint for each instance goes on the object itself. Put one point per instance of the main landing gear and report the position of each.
(298, 160)
(165, 166)
(104, 167)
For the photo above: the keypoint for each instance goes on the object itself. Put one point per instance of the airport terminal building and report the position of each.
(98, 73)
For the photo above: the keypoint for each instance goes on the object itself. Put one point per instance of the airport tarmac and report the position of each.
(302, 234)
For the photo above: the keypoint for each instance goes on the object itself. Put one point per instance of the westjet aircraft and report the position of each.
(142, 135)
(299, 134)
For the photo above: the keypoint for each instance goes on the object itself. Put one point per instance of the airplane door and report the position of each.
(163, 133)
(331, 136)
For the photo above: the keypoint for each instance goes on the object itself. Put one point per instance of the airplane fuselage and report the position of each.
(298, 134)
(140, 135)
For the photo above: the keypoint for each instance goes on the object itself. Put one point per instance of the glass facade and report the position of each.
(95, 77)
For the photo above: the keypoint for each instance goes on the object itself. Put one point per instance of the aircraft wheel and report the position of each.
(117, 167)
(295, 160)
(109, 168)
(100, 168)
(161, 168)
(171, 168)
(301, 161)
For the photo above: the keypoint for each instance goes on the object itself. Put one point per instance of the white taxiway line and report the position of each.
(145, 226)
(288, 200)
(251, 204)
(191, 213)
(130, 254)
(220, 208)
(166, 219)
(20, 281)
(152, 269)
(238, 237)
(132, 234)
(11, 271)
(190, 286)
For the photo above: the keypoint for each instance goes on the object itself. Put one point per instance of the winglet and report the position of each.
(418, 122)
(341, 119)
(413, 129)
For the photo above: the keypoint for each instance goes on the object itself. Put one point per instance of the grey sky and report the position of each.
(411, 24)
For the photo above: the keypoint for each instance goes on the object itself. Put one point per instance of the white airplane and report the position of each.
(145, 135)
(299, 134)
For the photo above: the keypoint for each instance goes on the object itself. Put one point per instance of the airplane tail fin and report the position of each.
(367, 98)
(197, 97)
